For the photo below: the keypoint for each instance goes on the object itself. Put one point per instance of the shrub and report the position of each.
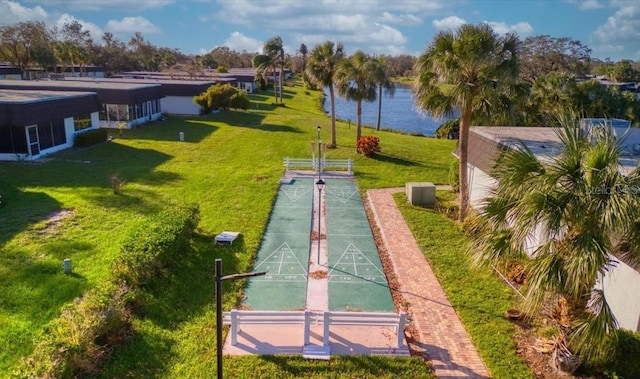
(155, 243)
(77, 343)
(368, 145)
(90, 137)
(454, 176)
(222, 96)
(449, 129)
(625, 363)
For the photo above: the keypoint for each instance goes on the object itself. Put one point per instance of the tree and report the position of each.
(303, 51)
(470, 70)
(356, 80)
(384, 82)
(578, 205)
(551, 94)
(623, 71)
(321, 70)
(18, 41)
(543, 54)
(273, 49)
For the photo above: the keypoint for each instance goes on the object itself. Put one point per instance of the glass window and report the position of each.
(81, 122)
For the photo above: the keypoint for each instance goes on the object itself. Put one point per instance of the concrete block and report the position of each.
(421, 193)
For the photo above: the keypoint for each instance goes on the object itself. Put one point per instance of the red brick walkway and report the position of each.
(442, 335)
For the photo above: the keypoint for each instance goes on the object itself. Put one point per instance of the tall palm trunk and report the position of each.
(280, 80)
(465, 123)
(359, 113)
(332, 98)
(275, 87)
(379, 106)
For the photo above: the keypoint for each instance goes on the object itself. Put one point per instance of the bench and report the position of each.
(312, 164)
(226, 237)
(236, 318)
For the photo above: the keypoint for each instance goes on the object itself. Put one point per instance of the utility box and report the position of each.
(421, 193)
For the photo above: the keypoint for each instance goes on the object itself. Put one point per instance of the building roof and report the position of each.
(485, 142)
(24, 107)
(108, 93)
(170, 87)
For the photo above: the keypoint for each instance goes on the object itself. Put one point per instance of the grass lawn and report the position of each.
(477, 295)
(229, 164)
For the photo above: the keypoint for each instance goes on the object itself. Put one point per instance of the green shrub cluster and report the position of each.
(90, 137)
(150, 248)
(625, 364)
(449, 129)
(454, 176)
(77, 343)
(368, 145)
(87, 331)
(222, 97)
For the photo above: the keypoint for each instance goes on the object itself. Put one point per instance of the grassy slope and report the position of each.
(229, 164)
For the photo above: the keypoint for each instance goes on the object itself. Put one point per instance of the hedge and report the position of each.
(77, 343)
(90, 137)
(152, 246)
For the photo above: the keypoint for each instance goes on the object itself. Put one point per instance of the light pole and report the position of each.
(319, 155)
(219, 279)
(320, 184)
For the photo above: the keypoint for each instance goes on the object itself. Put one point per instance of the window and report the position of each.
(81, 122)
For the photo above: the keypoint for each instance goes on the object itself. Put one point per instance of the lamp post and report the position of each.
(319, 155)
(219, 279)
(320, 184)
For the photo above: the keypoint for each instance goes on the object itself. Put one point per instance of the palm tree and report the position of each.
(578, 205)
(303, 51)
(467, 71)
(321, 70)
(384, 83)
(356, 80)
(262, 63)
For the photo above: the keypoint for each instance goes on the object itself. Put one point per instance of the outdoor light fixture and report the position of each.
(319, 155)
(219, 279)
(320, 184)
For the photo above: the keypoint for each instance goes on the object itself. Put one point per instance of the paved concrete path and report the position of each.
(441, 333)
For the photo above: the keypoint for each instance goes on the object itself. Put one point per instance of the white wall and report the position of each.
(179, 105)
(621, 287)
(479, 185)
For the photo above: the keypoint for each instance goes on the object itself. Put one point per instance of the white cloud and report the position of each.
(12, 12)
(97, 5)
(130, 25)
(590, 5)
(521, 28)
(449, 23)
(404, 19)
(620, 29)
(239, 42)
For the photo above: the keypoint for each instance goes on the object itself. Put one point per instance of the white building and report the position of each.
(621, 284)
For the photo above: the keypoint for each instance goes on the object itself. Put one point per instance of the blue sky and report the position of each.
(611, 28)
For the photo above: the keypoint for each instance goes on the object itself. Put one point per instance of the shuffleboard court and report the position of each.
(284, 251)
(356, 278)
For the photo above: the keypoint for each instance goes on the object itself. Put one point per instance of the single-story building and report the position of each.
(621, 283)
(243, 78)
(177, 95)
(36, 123)
(10, 72)
(122, 104)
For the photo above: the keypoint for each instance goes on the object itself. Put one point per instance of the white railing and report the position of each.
(236, 318)
(312, 164)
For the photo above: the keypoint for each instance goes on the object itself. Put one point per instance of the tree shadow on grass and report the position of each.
(193, 132)
(380, 157)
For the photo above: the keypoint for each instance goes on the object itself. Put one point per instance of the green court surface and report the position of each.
(356, 278)
(284, 252)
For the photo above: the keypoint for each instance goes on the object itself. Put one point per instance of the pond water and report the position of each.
(398, 113)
